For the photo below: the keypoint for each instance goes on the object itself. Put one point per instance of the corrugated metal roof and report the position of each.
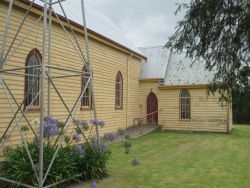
(175, 68)
(182, 71)
(96, 21)
(157, 60)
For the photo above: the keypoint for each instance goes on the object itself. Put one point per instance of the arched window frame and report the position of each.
(152, 116)
(86, 102)
(118, 91)
(36, 104)
(185, 105)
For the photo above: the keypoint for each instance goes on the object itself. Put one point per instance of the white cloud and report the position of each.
(144, 22)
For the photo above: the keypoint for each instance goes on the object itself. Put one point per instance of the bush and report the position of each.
(73, 161)
(17, 165)
(93, 164)
(127, 145)
(109, 137)
(136, 162)
(121, 132)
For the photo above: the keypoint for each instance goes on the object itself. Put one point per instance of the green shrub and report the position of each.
(74, 161)
(93, 164)
(127, 146)
(17, 165)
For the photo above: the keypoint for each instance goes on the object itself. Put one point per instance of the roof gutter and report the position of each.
(187, 86)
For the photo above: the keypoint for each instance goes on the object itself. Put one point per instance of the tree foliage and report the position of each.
(241, 107)
(219, 32)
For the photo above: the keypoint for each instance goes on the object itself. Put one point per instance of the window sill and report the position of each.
(85, 108)
(32, 108)
(118, 108)
(185, 119)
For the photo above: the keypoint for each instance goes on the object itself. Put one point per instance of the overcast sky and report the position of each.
(144, 22)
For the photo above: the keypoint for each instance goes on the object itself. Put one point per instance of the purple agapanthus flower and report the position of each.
(80, 150)
(85, 125)
(104, 147)
(49, 131)
(102, 123)
(53, 131)
(76, 137)
(106, 136)
(112, 136)
(135, 161)
(50, 127)
(94, 122)
(53, 122)
(93, 184)
(109, 136)
(47, 120)
(97, 122)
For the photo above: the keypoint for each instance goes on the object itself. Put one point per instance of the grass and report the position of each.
(179, 159)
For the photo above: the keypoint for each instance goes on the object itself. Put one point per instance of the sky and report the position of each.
(144, 22)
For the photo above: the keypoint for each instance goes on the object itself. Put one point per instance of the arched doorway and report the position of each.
(152, 108)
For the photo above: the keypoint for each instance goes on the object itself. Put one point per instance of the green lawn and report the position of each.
(177, 159)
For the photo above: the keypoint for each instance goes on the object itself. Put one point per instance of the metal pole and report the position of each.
(66, 32)
(17, 33)
(24, 38)
(21, 68)
(5, 88)
(42, 95)
(12, 96)
(49, 53)
(57, 2)
(69, 76)
(90, 68)
(18, 109)
(17, 183)
(73, 33)
(67, 69)
(5, 33)
(20, 118)
(73, 108)
(74, 121)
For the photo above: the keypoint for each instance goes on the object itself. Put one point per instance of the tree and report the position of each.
(219, 32)
(241, 107)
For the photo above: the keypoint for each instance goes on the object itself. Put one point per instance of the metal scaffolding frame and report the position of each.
(43, 76)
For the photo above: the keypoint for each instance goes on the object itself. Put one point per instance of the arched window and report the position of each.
(32, 79)
(152, 108)
(86, 102)
(185, 104)
(118, 91)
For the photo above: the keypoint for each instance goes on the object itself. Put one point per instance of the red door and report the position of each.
(152, 108)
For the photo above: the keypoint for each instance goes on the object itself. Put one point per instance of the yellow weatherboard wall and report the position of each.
(106, 59)
(207, 114)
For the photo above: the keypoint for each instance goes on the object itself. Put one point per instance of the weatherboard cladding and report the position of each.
(207, 114)
(174, 68)
(96, 21)
(106, 62)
